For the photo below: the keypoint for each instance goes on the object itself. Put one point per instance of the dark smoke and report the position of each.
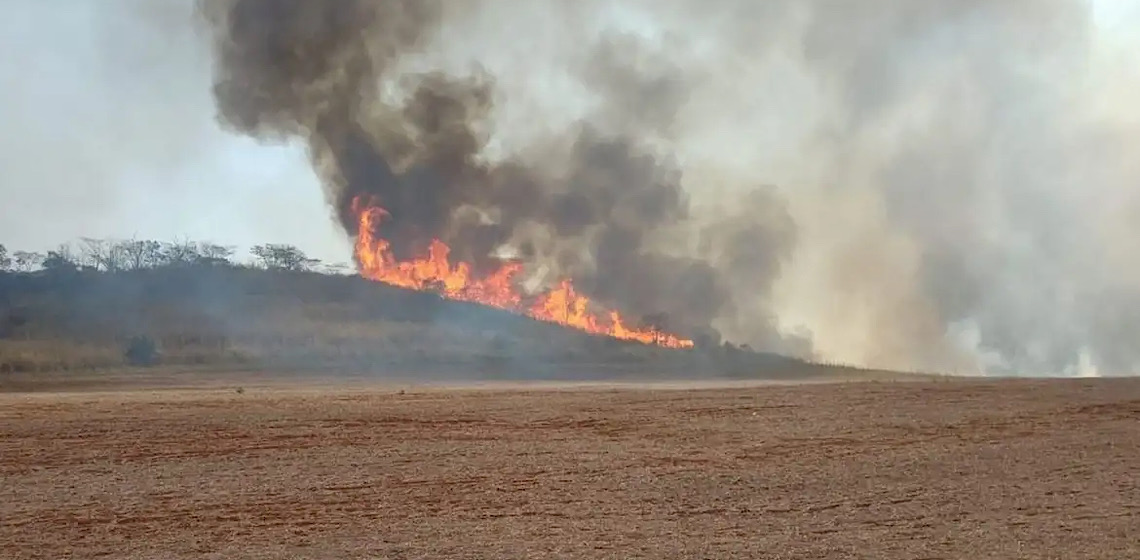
(603, 205)
(954, 183)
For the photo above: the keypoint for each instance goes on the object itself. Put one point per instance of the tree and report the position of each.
(60, 260)
(138, 254)
(210, 254)
(282, 257)
(179, 253)
(25, 261)
(141, 351)
(101, 254)
(5, 260)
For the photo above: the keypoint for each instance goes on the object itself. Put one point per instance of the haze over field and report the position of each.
(950, 185)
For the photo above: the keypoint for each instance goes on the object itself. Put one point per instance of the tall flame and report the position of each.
(562, 305)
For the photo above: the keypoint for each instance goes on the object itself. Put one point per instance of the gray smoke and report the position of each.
(980, 112)
(595, 207)
(935, 185)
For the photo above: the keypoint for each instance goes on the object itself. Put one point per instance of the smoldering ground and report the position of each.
(942, 185)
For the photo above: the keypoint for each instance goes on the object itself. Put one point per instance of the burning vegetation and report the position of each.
(499, 288)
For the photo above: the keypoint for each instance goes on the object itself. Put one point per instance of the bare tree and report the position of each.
(180, 253)
(211, 254)
(5, 260)
(137, 254)
(282, 257)
(101, 254)
(26, 261)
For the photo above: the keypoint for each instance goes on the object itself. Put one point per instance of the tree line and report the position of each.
(108, 255)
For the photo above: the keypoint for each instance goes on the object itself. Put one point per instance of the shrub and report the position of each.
(141, 351)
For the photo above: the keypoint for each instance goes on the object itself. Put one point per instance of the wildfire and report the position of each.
(562, 305)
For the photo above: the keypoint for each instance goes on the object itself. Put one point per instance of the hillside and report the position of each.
(241, 317)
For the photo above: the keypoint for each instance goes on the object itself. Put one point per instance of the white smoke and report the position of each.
(952, 167)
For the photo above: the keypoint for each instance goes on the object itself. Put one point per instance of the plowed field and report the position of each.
(955, 470)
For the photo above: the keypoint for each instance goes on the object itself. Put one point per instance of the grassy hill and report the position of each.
(240, 317)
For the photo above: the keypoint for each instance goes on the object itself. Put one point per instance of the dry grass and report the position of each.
(235, 317)
(238, 318)
(975, 470)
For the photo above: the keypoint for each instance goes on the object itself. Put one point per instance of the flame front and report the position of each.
(562, 305)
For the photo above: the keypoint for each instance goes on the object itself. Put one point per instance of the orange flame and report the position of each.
(562, 305)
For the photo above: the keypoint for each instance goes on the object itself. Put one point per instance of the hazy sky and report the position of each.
(109, 131)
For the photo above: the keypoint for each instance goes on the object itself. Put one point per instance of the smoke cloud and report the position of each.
(596, 205)
(943, 185)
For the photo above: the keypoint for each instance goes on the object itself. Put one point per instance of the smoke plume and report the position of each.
(938, 185)
(596, 205)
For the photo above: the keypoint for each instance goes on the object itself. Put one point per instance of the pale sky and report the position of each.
(110, 132)
(1116, 16)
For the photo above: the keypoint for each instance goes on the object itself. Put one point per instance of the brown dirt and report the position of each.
(1012, 469)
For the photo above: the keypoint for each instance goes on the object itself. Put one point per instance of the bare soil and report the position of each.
(955, 470)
